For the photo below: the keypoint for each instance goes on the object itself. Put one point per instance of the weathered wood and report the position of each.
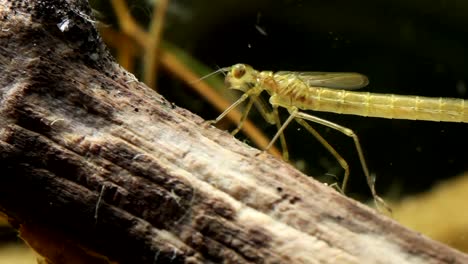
(94, 161)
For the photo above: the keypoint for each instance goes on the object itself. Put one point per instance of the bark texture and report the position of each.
(96, 168)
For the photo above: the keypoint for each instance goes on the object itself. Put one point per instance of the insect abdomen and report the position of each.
(384, 105)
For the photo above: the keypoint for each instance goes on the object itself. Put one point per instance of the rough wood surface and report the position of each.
(93, 162)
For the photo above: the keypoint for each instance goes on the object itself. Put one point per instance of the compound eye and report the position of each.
(239, 71)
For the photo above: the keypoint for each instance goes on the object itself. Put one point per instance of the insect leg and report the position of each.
(272, 117)
(253, 93)
(280, 129)
(330, 149)
(234, 105)
(264, 110)
(244, 117)
(348, 132)
(284, 147)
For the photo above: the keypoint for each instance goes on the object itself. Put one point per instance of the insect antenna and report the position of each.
(222, 70)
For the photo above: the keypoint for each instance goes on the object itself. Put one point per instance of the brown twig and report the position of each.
(154, 46)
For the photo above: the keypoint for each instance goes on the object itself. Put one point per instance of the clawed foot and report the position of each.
(379, 203)
(260, 153)
(335, 186)
(208, 123)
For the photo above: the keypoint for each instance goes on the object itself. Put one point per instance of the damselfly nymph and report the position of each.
(330, 92)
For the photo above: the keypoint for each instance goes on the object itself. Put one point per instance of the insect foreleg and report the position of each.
(244, 116)
(234, 105)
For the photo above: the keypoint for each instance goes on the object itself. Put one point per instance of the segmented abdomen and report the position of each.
(383, 105)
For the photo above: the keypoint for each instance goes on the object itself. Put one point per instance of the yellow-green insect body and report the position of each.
(331, 92)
